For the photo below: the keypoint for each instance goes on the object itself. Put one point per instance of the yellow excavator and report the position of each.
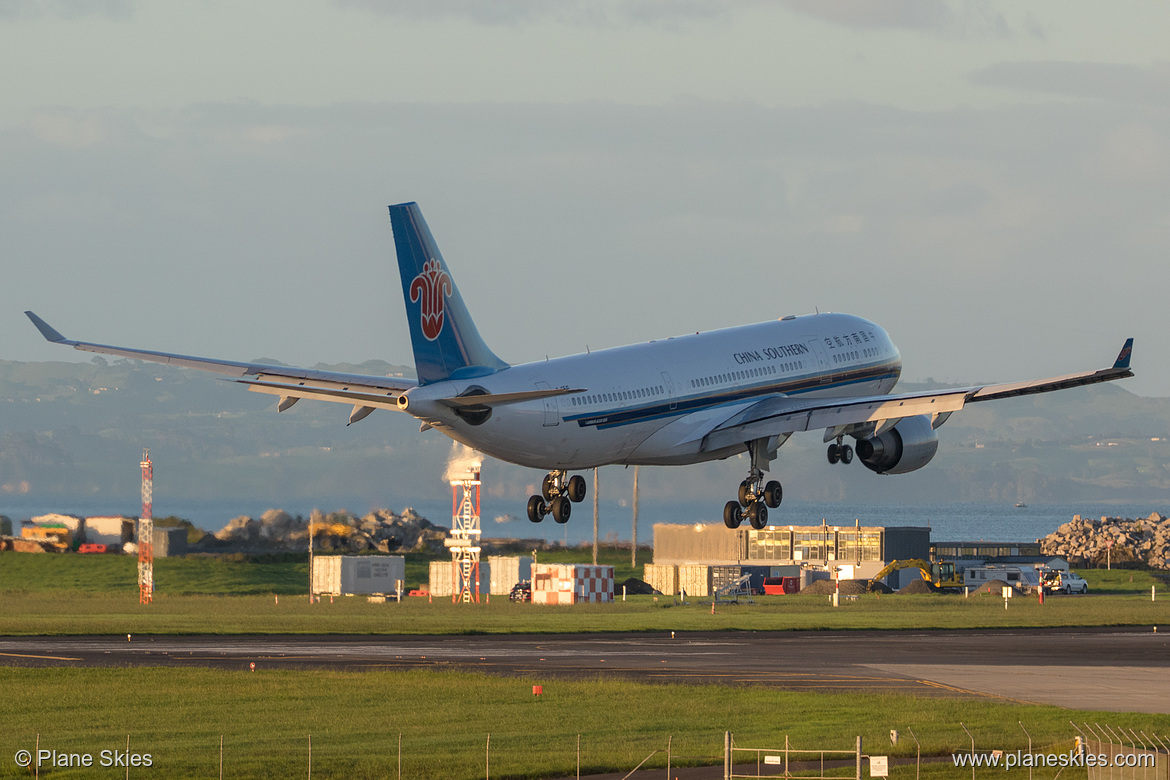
(940, 575)
(329, 536)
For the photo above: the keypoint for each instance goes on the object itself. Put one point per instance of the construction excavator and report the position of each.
(337, 535)
(940, 575)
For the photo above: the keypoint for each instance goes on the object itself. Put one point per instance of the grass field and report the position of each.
(284, 574)
(354, 718)
(75, 594)
(267, 717)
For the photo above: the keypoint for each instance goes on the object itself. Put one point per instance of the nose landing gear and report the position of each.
(557, 495)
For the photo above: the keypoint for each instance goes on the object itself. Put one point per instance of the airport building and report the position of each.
(705, 556)
(967, 555)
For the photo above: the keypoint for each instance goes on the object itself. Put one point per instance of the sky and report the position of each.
(989, 181)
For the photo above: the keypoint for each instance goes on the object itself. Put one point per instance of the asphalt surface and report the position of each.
(1102, 669)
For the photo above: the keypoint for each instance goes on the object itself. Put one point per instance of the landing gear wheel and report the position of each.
(757, 515)
(548, 488)
(773, 494)
(560, 509)
(536, 509)
(746, 497)
(846, 454)
(576, 488)
(834, 453)
(732, 514)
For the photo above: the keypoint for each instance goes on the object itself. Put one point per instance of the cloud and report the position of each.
(960, 18)
(592, 13)
(908, 217)
(66, 9)
(1095, 80)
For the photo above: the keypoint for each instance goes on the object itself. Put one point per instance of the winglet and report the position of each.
(1123, 356)
(47, 330)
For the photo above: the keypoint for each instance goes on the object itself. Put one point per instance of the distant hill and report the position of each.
(78, 429)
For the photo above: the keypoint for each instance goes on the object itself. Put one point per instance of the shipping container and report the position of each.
(341, 575)
(722, 576)
(506, 571)
(439, 581)
(568, 583)
(663, 577)
(811, 574)
(694, 580)
(169, 542)
(442, 578)
(114, 531)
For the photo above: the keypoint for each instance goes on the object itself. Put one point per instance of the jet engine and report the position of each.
(907, 446)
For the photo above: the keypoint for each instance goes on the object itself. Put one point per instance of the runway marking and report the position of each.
(43, 657)
(932, 684)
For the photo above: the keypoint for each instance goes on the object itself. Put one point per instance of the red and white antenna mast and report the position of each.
(464, 539)
(146, 533)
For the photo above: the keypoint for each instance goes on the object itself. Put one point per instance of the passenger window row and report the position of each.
(749, 373)
(620, 395)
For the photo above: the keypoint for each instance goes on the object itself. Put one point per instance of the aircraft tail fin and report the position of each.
(446, 342)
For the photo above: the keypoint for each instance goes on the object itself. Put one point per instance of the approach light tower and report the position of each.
(146, 533)
(464, 539)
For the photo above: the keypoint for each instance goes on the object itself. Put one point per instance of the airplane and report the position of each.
(674, 401)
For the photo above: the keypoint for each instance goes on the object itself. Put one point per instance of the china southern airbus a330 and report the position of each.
(675, 401)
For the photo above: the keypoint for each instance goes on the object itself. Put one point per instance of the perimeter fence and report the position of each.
(1096, 752)
(1128, 754)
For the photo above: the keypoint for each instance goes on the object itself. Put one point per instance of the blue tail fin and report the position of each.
(446, 341)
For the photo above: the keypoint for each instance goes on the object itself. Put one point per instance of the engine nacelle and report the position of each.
(907, 446)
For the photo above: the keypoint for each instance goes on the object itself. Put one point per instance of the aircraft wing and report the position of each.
(781, 415)
(285, 381)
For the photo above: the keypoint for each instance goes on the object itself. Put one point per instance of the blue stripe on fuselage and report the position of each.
(617, 417)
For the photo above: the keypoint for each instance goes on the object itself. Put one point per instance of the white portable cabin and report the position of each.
(441, 578)
(347, 575)
(505, 571)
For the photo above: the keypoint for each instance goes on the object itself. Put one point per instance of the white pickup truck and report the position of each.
(1065, 582)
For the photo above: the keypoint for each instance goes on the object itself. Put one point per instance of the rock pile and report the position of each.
(1088, 542)
(915, 587)
(995, 588)
(827, 587)
(381, 530)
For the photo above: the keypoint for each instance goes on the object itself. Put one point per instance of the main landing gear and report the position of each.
(840, 453)
(556, 493)
(755, 497)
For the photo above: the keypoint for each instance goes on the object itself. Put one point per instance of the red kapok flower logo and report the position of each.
(429, 289)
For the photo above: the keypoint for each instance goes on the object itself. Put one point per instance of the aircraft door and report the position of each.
(826, 366)
(551, 416)
(669, 385)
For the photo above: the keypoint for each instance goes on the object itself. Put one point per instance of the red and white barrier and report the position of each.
(564, 583)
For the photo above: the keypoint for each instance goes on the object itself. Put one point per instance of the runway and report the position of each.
(1099, 669)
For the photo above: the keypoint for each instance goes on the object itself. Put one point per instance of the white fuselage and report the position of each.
(640, 403)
